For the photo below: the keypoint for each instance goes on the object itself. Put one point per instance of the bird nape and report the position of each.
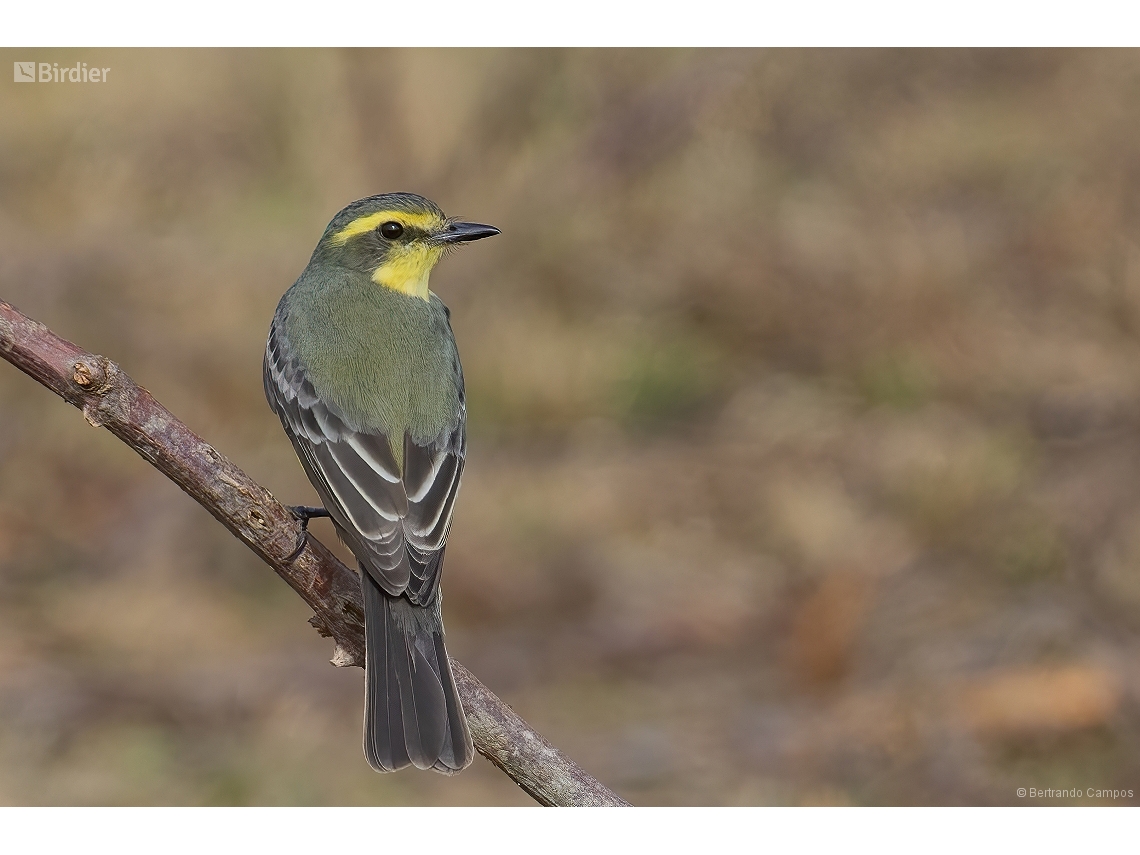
(362, 369)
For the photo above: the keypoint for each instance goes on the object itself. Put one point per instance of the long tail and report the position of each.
(412, 712)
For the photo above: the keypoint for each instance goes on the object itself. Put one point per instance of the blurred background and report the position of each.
(804, 397)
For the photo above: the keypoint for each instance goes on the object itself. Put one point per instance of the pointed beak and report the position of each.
(463, 232)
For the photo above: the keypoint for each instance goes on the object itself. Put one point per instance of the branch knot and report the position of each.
(100, 377)
(89, 372)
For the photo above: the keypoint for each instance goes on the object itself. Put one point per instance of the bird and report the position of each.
(362, 368)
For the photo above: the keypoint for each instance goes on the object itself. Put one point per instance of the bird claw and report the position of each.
(303, 513)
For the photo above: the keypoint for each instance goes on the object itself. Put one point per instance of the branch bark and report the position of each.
(111, 399)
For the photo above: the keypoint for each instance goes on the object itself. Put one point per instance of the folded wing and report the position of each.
(396, 522)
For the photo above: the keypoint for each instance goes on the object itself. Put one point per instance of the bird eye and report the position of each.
(391, 230)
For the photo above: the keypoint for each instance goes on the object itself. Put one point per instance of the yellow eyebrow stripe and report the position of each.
(370, 221)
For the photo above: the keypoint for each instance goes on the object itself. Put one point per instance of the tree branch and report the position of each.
(111, 399)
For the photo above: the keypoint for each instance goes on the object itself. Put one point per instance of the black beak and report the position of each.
(462, 232)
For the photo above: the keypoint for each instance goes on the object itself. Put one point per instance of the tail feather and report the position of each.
(412, 712)
(458, 747)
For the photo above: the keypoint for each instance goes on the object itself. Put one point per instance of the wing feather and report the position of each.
(377, 453)
(388, 499)
(435, 504)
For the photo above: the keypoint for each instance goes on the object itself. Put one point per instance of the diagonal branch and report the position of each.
(111, 399)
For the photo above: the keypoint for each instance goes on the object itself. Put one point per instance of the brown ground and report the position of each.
(805, 419)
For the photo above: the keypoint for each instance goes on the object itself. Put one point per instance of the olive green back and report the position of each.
(387, 361)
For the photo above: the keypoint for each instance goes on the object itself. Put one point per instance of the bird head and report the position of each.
(396, 238)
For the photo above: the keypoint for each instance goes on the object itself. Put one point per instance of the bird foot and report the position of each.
(303, 513)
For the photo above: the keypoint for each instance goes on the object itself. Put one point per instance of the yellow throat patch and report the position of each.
(407, 269)
(408, 266)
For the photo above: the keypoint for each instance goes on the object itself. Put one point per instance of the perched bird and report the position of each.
(361, 367)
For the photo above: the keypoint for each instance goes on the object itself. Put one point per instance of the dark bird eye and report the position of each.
(391, 230)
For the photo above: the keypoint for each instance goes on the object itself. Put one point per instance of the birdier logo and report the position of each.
(51, 72)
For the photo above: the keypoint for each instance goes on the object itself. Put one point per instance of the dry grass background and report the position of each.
(805, 418)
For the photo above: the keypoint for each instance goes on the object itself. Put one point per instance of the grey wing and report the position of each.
(396, 524)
